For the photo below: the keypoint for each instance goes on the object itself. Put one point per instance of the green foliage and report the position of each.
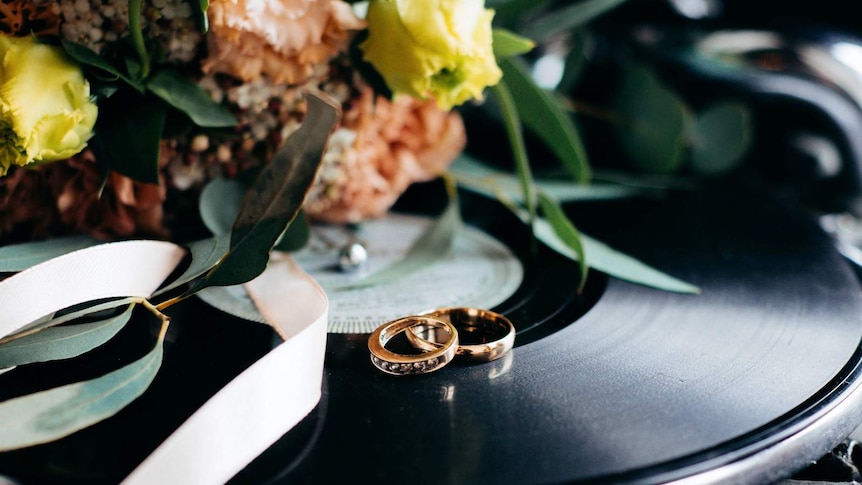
(720, 138)
(183, 94)
(18, 257)
(64, 342)
(275, 198)
(568, 18)
(130, 144)
(52, 414)
(566, 232)
(541, 112)
(516, 140)
(653, 131)
(507, 43)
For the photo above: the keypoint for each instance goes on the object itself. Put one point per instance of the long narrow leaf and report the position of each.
(605, 258)
(18, 257)
(571, 17)
(433, 245)
(62, 342)
(481, 178)
(507, 43)
(206, 254)
(516, 141)
(52, 414)
(275, 198)
(566, 232)
(44, 323)
(544, 116)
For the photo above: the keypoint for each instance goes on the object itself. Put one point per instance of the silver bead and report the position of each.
(352, 257)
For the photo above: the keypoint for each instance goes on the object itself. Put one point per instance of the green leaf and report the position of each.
(606, 259)
(18, 257)
(219, 204)
(206, 254)
(275, 198)
(52, 321)
(52, 414)
(576, 60)
(130, 144)
(654, 137)
(84, 55)
(721, 136)
(506, 43)
(183, 94)
(233, 300)
(477, 177)
(62, 342)
(545, 117)
(296, 236)
(516, 141)
(570, 17)
(434, 244)
(566, 232)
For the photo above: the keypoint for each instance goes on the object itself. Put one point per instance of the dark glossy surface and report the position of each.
(646, 386)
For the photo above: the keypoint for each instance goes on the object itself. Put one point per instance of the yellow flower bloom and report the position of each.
(46, 113)
(432, 48)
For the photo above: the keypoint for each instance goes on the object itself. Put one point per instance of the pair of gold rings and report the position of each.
(472, 334)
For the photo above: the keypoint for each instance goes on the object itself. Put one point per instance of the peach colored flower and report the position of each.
(282, 39)
(382, 147)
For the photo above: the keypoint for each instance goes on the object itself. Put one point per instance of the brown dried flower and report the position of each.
(126, 207)
(23, 17)
(382, 148)
(284, 40)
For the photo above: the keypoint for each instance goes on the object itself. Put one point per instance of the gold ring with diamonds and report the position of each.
(407, 364)
(483, 335)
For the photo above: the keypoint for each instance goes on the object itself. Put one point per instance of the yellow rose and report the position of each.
(432, 48)
(46, 113)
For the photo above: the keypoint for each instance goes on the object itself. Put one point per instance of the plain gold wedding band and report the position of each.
(484, 335)
(405, 364)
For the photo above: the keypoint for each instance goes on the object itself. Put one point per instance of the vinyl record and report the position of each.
(747, 382)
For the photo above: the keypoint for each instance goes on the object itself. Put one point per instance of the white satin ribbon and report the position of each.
(261, 404)
(246, 416)
(128, 268)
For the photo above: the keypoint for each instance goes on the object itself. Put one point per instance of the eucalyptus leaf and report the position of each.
(18, 257)
(544, 116)
(575, 61)
(206, 253)
(721, 136)
(434, 244)
(219, 204)
(507, 43)
(605, 258)
(54, 320)
(566, 232)
(654, 135)
(62, 342)
(233, 300)
(478, 177)
(296, 236)
(55, 413)
(130, 144)
(183, 94)
(275, 198)
(570, 17)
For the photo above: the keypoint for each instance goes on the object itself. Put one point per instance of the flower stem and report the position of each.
(136, 8)
(166, 320)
